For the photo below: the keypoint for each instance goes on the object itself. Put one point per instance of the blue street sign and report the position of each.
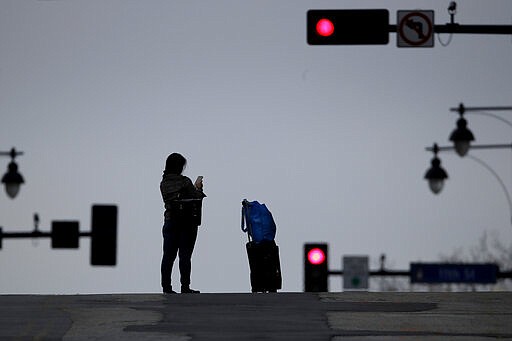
(453, 273)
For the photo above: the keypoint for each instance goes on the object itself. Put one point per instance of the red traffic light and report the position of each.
(324, 27)
(348, 27)
(316, 256)
(316, 272)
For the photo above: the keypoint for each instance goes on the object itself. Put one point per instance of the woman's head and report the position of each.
(175, 164)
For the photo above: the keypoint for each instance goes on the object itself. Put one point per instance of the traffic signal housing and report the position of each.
(104, 235)
(348, 27)
(316, 271)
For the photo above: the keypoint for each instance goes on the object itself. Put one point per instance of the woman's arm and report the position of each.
(191, 192)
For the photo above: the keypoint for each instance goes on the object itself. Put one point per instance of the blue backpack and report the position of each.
(257, 221)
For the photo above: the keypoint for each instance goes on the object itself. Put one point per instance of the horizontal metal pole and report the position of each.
(376, 273)
(504, 274)
(390, 273)
(407, 273)
(473, 29)
(482, 109)
(35, 234)
(491, 146)
(465, 29)
(10, 153)
(473, 146)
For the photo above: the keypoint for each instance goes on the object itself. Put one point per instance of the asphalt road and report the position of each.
(280, 316)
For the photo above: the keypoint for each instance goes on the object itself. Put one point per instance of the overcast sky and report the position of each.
(97, 93)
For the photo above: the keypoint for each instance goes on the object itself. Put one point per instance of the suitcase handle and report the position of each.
(245, 224)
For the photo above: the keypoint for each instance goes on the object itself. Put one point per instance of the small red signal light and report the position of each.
(324, 27)
(316, 256)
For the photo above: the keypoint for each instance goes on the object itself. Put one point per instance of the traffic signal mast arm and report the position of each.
(33, 234)
(376, 273)
(465, 29)
(407, 273)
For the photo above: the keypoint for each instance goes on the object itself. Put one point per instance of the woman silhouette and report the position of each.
(180, 228)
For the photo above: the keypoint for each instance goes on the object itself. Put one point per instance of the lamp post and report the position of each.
(12, 179)
(462, 138)
(436, 175)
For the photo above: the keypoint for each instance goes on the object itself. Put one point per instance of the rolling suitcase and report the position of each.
(265, 266)
(262, 251)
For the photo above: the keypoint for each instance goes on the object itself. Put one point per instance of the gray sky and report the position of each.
(331, 138)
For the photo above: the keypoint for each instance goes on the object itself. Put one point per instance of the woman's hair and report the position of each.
(175, 164)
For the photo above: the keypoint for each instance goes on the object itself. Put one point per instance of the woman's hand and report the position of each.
(199, 183)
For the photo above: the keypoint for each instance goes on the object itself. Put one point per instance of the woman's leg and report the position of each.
(171, 236)
(187, 242)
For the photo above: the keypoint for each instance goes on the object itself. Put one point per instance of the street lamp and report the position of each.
(436, 175)
(462, 136)
(12, 179)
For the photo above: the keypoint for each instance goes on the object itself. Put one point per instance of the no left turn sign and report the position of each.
(415, 28)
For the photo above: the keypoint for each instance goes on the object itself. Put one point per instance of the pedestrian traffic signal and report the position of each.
(65, 234)
(104, 235)
(348, 27)
(316, 270)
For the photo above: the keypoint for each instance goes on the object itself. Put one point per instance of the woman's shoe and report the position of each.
(169, 291)
(187, 290)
